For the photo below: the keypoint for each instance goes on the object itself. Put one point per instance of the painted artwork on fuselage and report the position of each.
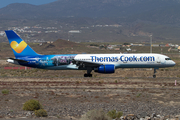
(62, 60)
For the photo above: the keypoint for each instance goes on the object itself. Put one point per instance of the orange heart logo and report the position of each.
(18, 47)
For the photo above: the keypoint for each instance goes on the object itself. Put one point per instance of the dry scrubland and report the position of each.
(71, 97)
(67, 95)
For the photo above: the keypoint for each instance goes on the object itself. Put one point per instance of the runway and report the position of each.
(89, 83)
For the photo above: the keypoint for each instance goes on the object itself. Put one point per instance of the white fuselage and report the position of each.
(127, 60)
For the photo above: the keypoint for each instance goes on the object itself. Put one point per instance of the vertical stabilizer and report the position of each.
(19, 46)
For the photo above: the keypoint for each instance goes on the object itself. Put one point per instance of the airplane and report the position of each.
(101, 63)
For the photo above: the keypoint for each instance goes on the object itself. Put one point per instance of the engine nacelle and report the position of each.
(105, 69)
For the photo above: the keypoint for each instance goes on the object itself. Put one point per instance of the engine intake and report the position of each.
(105, 69)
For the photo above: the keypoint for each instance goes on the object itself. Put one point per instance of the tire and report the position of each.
(87, 75)
(90, 75)
(154, 76)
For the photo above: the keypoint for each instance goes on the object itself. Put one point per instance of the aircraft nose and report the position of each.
(173, 63)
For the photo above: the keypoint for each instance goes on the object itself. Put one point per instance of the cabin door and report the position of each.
(158, 60)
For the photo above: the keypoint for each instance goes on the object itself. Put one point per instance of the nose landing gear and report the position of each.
(154, 75)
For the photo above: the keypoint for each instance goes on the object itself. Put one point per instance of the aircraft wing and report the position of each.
(84, 64)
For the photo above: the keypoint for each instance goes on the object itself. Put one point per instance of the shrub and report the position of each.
(5, 92)
(178, 75)
(78, 82)
(95, 115)
(114, 114)
(41, 113)
(32, 105)
(138, 95)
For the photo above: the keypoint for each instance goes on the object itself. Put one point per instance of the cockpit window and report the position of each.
(167, 59)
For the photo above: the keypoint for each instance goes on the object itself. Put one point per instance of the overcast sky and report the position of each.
(4, 3)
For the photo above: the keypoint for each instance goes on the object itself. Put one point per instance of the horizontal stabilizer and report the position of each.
(12, 60)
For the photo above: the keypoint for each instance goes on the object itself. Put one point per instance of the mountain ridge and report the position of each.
(160, 11)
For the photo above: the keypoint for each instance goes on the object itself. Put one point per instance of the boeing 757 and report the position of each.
(101, 63)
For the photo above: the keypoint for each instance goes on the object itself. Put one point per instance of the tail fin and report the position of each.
(19, 46)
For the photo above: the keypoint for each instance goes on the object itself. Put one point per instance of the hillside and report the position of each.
(57, 47)
(161, 11)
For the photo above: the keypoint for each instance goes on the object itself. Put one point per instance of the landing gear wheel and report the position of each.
(154, 75)
(89, 69)
(87, 75)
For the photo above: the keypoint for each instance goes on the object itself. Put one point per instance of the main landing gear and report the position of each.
(88, 73)
(154, 75)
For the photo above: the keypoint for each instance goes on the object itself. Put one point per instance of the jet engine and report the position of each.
(105, 69)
